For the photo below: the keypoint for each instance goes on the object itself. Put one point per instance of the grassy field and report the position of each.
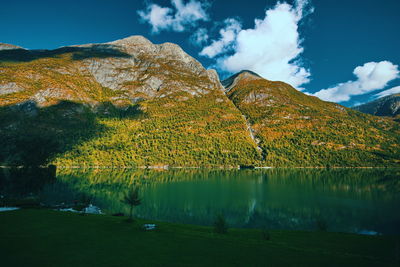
(50, 238)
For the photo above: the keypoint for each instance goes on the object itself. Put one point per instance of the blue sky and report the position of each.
(341, 51)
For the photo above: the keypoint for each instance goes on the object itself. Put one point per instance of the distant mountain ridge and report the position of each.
(132, 103)
(4, 46)
(384, 106)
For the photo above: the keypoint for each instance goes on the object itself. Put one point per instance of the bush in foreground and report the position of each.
(220, 225)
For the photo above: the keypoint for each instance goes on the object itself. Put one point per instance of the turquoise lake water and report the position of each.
(344, 200)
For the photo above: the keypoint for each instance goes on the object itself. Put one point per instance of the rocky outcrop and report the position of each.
(213, 76)
(112, 73)
(43, 96)
(258, 98)
(149, 70)
(133, 68)
(10, 88)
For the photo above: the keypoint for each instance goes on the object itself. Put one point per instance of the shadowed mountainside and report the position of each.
(34, 136)
(384, 106)
(76, 53)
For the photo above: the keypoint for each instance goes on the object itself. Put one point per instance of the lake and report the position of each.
(343, 200)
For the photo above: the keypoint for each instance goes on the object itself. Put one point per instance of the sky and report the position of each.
(344, 51)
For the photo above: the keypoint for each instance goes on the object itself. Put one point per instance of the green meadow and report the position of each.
(39, 237)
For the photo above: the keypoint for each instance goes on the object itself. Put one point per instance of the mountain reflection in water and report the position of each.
(345, 200)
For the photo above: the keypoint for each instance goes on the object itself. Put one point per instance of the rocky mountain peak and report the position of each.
(132, 40)
(147, 69)
(132, 69)
(230, 82)
(248, 73)
(137, 44)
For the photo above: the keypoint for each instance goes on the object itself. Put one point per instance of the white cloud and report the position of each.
(178, 18)
(391, 91)
(199, 37)
(228, 35)
(271, 49)
(370, 77)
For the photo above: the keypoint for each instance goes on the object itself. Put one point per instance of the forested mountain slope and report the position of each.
(131, 103)
(294, 129)
(124, 103)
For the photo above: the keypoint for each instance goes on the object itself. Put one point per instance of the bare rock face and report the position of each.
(149, 70)
(112, 73)
(135, 44)
(9, 88)
(138, 45)
(122, 72)
(213, 76)
(258, 97)
(42, 97)
(154, 83)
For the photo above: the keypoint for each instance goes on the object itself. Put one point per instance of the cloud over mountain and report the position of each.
(178, 18)
(370, 77)
(264, 48)
(227, 34)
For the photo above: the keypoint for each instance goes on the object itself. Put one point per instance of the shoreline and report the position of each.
(201, 167)
(77, 212)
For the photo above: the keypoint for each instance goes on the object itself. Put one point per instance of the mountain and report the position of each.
(132, 103)
(4, 46)
(384, 106)
(123, 103)
(295, 129)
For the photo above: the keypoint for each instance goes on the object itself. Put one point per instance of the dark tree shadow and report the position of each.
(78, 53)
(23, 182)
(33, 136)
